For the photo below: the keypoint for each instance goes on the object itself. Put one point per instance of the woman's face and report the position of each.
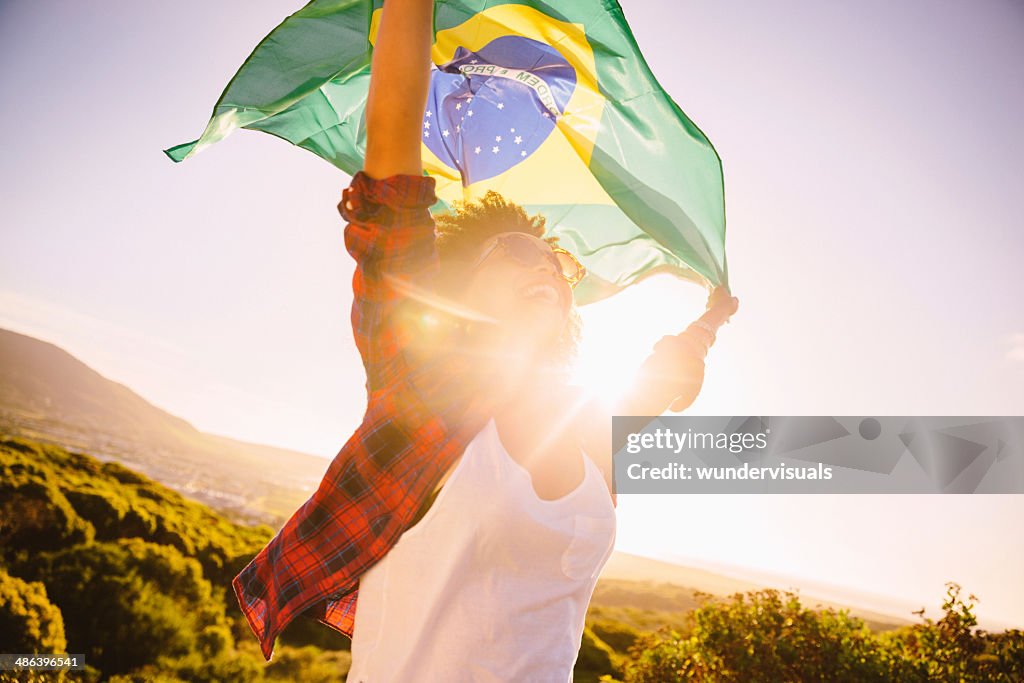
(518, 280)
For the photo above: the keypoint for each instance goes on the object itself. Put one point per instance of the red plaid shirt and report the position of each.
(419, 419)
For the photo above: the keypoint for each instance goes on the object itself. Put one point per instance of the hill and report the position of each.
(636, 582)
(48, 395)
(98, 559)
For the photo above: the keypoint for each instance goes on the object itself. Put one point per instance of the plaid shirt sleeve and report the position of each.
(390, 234)
(417, 422)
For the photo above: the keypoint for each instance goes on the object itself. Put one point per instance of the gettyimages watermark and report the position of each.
(676, 454)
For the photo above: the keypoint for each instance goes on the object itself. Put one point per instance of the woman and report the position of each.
(465, 328)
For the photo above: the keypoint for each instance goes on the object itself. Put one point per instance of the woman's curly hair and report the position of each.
(462, 230)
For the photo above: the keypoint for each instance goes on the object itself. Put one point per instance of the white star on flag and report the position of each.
(426, 133)
(494, 149)
(501, 105)
(522, 154)
(519, 139)
(476, 151)
(444, 133)
(429, 114)
(458, 105)
(497, 138)
(426, 124)
(469, 113)
(511, 130)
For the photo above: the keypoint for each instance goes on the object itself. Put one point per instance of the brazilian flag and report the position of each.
(551, 105)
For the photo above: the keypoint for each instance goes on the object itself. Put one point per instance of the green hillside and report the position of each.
(48, 395)
(98, 559)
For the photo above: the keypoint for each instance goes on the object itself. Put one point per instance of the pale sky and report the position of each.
(873, 156)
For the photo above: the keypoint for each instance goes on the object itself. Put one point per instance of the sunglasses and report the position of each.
(525, 250)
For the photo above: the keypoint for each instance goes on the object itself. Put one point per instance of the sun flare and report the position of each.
(620, 332)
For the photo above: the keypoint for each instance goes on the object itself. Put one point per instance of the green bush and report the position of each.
(954, 650)
(195, 667)
(124, 475)
(620, 637)
(128, 602)
(51, 498)
(307, 664)
(761, 636)
(595, 658)
(29, 622)
(35, 516)
(105, 510)
(150, 598)
(305, 630)
(768, 636)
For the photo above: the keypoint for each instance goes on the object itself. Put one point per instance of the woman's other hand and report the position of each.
(672, 376)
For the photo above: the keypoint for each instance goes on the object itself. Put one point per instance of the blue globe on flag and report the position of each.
(490, 109)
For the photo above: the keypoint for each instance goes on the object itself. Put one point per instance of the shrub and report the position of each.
(620, 637)
(307, 664)
(595, 657)
(953, 649)
(35, 516)
(126, 603)
(105, 510)
(761, 636)
(29, 622)
(51, 498)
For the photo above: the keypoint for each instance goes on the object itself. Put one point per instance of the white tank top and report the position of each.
(491, 585)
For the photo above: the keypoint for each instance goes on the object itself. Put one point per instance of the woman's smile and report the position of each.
(543, 291)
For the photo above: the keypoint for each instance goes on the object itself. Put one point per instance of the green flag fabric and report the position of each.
(550, 104)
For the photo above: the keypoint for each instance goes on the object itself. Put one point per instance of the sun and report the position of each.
(604, 368)
(620, 332)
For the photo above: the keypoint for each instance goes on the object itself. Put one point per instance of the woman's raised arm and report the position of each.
(399, 78)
